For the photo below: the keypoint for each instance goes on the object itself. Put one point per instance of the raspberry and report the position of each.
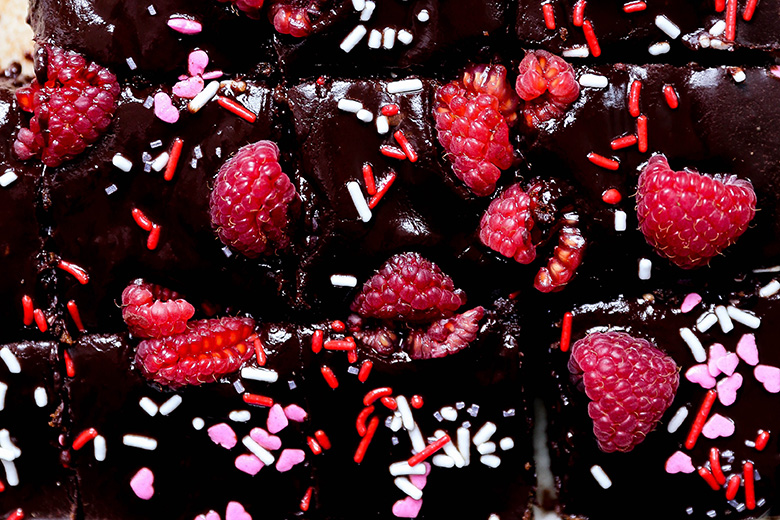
(207, 350)
(249, 203)
(630, 383)
(71, 110)
(383, 341)
(472, 119)
(250, 7)
(689, 217)
(446, 336)
(506, 225)
(565, 260)
(151, 311)
(291, 20)
(547, 84)
(409, 287)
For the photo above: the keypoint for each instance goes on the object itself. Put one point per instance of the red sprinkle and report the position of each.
(590, 37)
(633, 98)
(731, 27)
(671, 97)
(549, 16)
(322, 439)
(750, 492)
(389, 402)
(381, 193)
(390, 109)
(611, 196)
(720, 5)
(368, 178)
(641, 132)
(623, 142)
(306, 500)
(40, 320)
(762, 440)
(16, 515)
(392, 151)
(366, 440)
(260, 352)
(154, 238)
(70, 368)
(258, 400)
(316, 341)
(417, 401)
(750, 9)
(84, 437)
(365, 370)
(604, 162)
(579, 13)
(633, 7)
(701, 418)
(173, 160)
(27, 307)
(375, 394)
(321, 80)
(566, 332)
(733, 487)
(708, 478)
(405, 145)
(330, 377)
(142, 220)
(352, 355)
(362, 417)
(339, 344)
(2, 486)
(314, 446)
(717, 472)
(237, 108)
(78, 272)
(338, 326)
(429, 450)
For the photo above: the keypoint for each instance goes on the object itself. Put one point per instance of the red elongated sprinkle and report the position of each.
(322, 438)
(365, 370)
(701, 418)
(173, 160)
(390, 109)
(405, 145)
(750, 9)
(392, 151)
(40, 320)
(70, 368)
(416, 401)
(381, 193)
(549, 16)
(352, 356)
(762, 440)
(154, 238)
(260, 352)
(84, 437)
(720, 5)
(316, 341)
(338, 326)
(611, 196)
(623, 142)
(389, 402)
(604, 162)
(717, 472)
(375, 394)
(330, 377)
(671, 97)
(360, 453)
(2, 486)
(579, 13)
(321, 80)
(142, 220)
(566, 331)
(641, 132)
(731, 26)
(314, 446)
(362, 417)
(16, 515)
(633, 7)
(368, 178)
(733, 487)
(429, 450)
(306, 500)
(633, 98)
(708, 478)
(236, 108)
(750, 492)
(257, 400)
(339, 344)
(78, 272)
(590, 38)
(27, 308)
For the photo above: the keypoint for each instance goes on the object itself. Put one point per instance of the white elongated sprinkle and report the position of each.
(368, 10)
(350, 105)
(494, 517)
(594, 81)
(11, 476)
(170, 405)
(388, 38)
(719, 45)
(486, 448)
(739, 75)
(41, 399)
(365, 116)
(423, 15)
(258, 451)
(396, 423)
(667, 26)
(403, 468)
(677, 420)
(198, 423)
(382, 125)
(706, 321)
(620, 220)
(718, 28)
(205, 95)
(769, 289)
(694, 344)
(491, 461)
(111, 189)
(464, 444)
(9, 455)
(704, 41)
(745, 318)
(131, 64)
(151, 9)
(405, 37)
(374, 39)
(10, 360)
(581, 51)
(7, 178)
(353, 38)
(773, 269)
(418, 443)
(148, 406)
(601, 477)
(160, 162)
(750, 444)
(240, 416)
(645, 268)
(359, 201)
(3, 391)
(403, 86)
(265, 375)
(343, 280)
(139, 441)
(7, 444)
(442, 461)
(405, 411)
(484, 434)
(359, 5)
(99, 444)
(723, 318)
(449, 413)
(657, 49)
(506, 444)
(405, 485)
(450, 450)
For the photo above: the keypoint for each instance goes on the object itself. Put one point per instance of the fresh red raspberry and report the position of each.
(689, 217)
(290, 20)
(630, 383)
(472, 118)
(249, 203)
(506, 225)
(446, 336)
(409, 287)
(566, 258)
(71, 110)
(382, 340)
(547, 84)
(208, 350)
(151, 311)
(250, 7)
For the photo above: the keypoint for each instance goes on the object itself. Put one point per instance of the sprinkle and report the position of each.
(78, 272)
(745, 318)
(152, 11)
(141, 219)
(762, 440)
(694, 344)
(27, 308)
(403, 468)
(405, 37)
(701, 418)
(257, 400)
(382, 125)
(708, 478)
(449, 413)
(423, 15)
(677, 420)
(717, 472)
(579, 51)
(329, 376)
(769, 289)
(507, 443)
(360, 422)
(368, 10)
(84, 437)
(375, 394)
(406, 413)
(620, 220)
(451, 450)
(349, 105)
(486, 448)
(738, 75)
(170, 405)
(750, 9)
(671, 97)
(718, 28)
(623, 142)
(70, 368)
(381, 193)
(306, 500)
(641, 132)
(10, 360)
(148, 406)
(633, 98)
(590, 38)
(359, 201)
(747, 473)
(374, 39)
(773, 269)
(160, 161)
(604, 162)
(484, 434)
(403, 142)
(111, 189)
(368, 178)
(464, 444)
(322, 438)
(601, 477)
(365, 116)
(549, 16)
(389, 403)
(579, 13)
(667, 26)
(720, 5)
(339, 344)
(645, 268)
(40, 320)
(705, 321)
(99, 446)
(260, 352)
(429, 450)
(148, 102)
(731, 33)
(203, 97)
(184, 25)
(131, 63)
(404, 86)
(139, 441)
(633, 7)
(198, 423)
(353, 38)
(314, 446)
(343, 280)
(3, 391)
(443, 461)
(490, 461)
(359, 5)
(417, 402)
(405, 485)
(594, 81)
(473, 410)
(360, 453)
(258, 451)
(236, 108)
(388, 38)
(418, 443)
(365, 370)
(723, 318)
(659, 48)
(170, 167)
(733, 487)
(122, 162)
(316, 341)
(566, 331)
(690, 302)
(394, 422)
(265, 375)
(154, 238)
(611, 196)
(7, 178)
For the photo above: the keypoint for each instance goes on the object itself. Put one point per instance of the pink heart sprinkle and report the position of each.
(189, 88)
(288, 459)
(679, 462)
(265, 439)
(747, 350)
(277, 421)
(249, 464)
(214, 74)
(419, 481)
(717, 351)
(701, 375)
(211, 515)
(223, 435)
(718, 426)
(407, 508)
(143, 484)
(236, 511)
(728, 363)
(197, 62)
(769, 376)
(184, 25)
(727, 389)
(164, 109)
(691, 301)
(295, 413)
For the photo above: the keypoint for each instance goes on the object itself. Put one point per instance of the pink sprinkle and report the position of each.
(295, 413)
(700, 374)
(747, 350)
(248, 463)
(717, 351)
(277, 420)
(727, 389)
(184, 25)
(718, 426)
(188, 88)
(691, 301)
(679, 462)
(769, 376)
(728, 363)
(265, 439)
(407, 508)
(143, 484)
(197, 62)
(288, 459)
(164, 109)
(223, 435)
(211, 515)
(214, 74)
(236, 511)
(419, 481)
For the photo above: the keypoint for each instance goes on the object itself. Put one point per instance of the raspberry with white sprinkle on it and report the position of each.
(152, 311)
(446, 336)
(547, 84)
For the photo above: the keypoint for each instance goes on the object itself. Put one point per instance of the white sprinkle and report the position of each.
(601, 477)
(403, 468)
(388, 38)
(151, 9)
(484, 434)
(122, 162)
(99, 444)
(11, 476)
(494, 517)
(750, 444)
(442, 461)
(704, 41)
(405, 485)
(238, 386)
(396, 423)
(382, 125)
(594, 81)
(205, 95)
(240, 416)
(7, 178)
(645, 268)
(260, 374)
(451, 450)
(677, 420)
(667, 26)
(197, 152)
(507, 443)
(359, 201)
(9, 455)
(720, 45)
(490, 461)
(10, 360)
(350, 105)
(131, 63)
(148, 102)
(706, 321)
(110, 189)
(464, 444)
(41, 399)
(620, 220)
(148, 406)
(139, 441)
(343, 280)
(405, 37)
(657, 49)
(449, 413)
(418, 443)
(374, 39)
(739, 75)
(773, 269)
(769, 289)
(359, 5)
(486, 448)
(365, 116)
(170, 405)
(745, 318)
(228, 253)
(405, 411)
(258, 451)
(581, 51)
(423, 15)
(718, 28)
(694, 344)
(198, 423)
(353, 38)
(403, 86)
(160, 162)
(3, 391)
(723, 318)
(7, 444)
(368, 10)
